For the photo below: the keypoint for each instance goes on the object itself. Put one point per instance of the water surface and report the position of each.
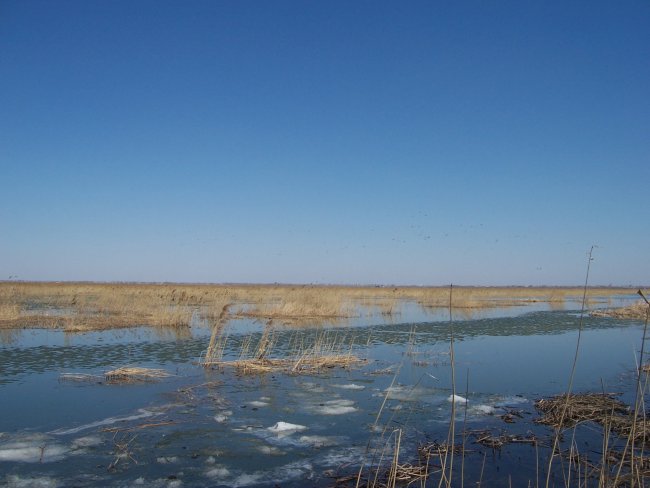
(215, 427)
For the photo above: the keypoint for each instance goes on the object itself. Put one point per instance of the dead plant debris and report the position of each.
(128, 374)
(602, 408)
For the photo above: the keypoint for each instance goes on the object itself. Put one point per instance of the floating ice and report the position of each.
(270, 450)
(457, 399)
(319, 440)
(341, 456)
(350, 386)
(484, 409)
(32, 449)
(87, 441)
(32, 482)
(218, 473)
(142, 413)
(32, 454)
(511, 400)
(220, 418)
(406, 393)
(336, 407)
(167, 459)
(257, 403)
(286, 428)
(293, 471)
(313, 387)
(247, 480)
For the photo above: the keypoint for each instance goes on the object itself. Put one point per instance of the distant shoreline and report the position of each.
(316, 285)
(84, 306)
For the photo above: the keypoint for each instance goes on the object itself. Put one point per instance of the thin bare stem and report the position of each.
(556, 439)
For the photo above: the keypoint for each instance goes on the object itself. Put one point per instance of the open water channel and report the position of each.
(216, 427)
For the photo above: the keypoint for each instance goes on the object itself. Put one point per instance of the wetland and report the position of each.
(237, 385)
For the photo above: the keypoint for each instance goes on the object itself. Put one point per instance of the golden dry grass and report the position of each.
(637, 310)
(128, 374)
(323, 351)
(93, 306)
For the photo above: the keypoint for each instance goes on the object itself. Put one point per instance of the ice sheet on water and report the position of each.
(320, 440)
(32, 448)
(483, 409)
(350, 386)
(286, 428)
(312, 387)
(14, 481)
(87, 441)
(457, 399)
(167, 459)
(336, 407)
(293, 471)
(258, 404)
(218, 473)
(511, 400)
(341, 456)
(406, 393)
(270, 450)
(141, 414)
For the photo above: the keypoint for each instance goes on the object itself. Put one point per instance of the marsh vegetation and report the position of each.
(320, 386)
(98, 306)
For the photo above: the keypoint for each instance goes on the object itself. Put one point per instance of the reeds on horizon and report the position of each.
(96, 306)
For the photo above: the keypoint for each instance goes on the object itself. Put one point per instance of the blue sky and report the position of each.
(325, 142)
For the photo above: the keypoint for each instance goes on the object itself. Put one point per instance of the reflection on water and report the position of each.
(203, 426)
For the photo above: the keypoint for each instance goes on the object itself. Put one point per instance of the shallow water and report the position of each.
(214, 427)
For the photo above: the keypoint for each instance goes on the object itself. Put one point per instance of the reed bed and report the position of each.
(293, 366)
(637, 310)
(80, 377)
(95, 306)
(602, 409)
(127, 374)
(563, 411)
(323, 353)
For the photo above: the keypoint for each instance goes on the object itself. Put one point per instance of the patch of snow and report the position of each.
(87, 441)
(218, 473)
(257, 403)
(142, 413)
(14, 481)
(457, 399)
(319, 440)
(286, 428)
(336, 407)
(350, 386)
(32, 449)
(484, 409)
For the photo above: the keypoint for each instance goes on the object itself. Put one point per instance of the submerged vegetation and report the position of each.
(96, 306)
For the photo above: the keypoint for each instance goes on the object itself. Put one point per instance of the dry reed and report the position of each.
(637, 310)
(94, 306)
(128, 374)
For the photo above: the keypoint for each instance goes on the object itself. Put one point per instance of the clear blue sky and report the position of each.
(325, 142)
